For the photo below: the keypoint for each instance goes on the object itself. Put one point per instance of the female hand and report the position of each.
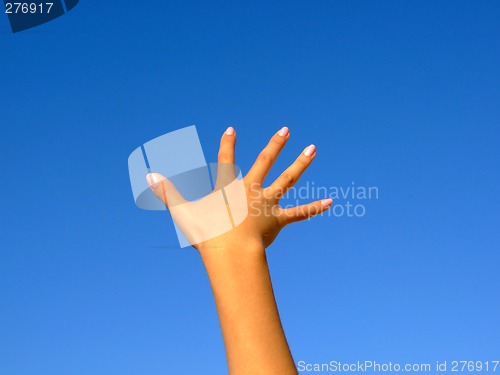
(265, 218)
(235, 260)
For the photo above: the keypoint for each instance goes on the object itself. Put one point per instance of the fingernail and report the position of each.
(230, 131)
(326, 202)
(283, 131)
(310, 150)
(153, 179)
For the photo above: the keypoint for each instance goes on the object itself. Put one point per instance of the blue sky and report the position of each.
(401, 96)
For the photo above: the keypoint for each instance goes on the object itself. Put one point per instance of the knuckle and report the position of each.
(287, 178)
(303, 162)
(277, 140)
(265, 157)
(224, 155)
(302, 212)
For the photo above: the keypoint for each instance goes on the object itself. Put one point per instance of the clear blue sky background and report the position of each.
(399, 95)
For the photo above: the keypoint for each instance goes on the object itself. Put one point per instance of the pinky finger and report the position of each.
(306, 211)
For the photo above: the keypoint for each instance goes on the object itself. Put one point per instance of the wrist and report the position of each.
(230, 247)
(232, 258)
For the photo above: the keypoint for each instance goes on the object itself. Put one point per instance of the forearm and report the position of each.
(251, 327)
(236, 260)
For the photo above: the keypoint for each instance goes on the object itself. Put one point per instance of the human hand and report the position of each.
(265, 218)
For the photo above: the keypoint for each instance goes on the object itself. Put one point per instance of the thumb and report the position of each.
(164, 189)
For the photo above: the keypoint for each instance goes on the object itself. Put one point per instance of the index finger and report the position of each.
(225, 166)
